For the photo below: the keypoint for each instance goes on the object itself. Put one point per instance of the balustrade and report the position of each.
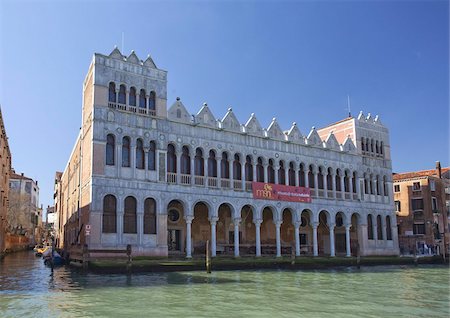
(171, 177)
(199, 180)
(185, 179)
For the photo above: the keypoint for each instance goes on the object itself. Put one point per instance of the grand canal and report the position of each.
(29, 289)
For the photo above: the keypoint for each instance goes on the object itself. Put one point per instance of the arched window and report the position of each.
(381, 148)
(248, 169)
(142, 99)
(110, 149)
(311, 177)
(301, 175)
(112, 92)
(320, 178)
(125, 151)
(379, 228)
(291, 174)
(282, 173)
(354, 182)
(270, 172)
(388, 228)
(237, 168)
(329, 179)
(377, 148)
(132, 97)
(129, 215)
(140, 157)
(199, 163)
(385, 188)
(367, 144)
(369, 227)
(371, 146)
(152, 156)
(363, 144)
(171, 159)
(149, 216)
(379, 185)
(122, 95)
(212, 164)
(366, 184)
(224, 166)
(152, 101)
(185, 161)
(259, 170)
(109, 214)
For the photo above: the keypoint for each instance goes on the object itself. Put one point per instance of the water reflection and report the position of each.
(29, 289)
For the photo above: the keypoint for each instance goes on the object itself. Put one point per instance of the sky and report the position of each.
(293, 60)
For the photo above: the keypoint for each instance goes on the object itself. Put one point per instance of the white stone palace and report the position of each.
(165, 181)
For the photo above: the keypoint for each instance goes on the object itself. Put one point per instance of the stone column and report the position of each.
(188, 219)
(286, 175)
(178, 154)
(205, 174)
(230, 167)
(258, 237)
(243, 175)
(297, 238)
(383, 227)
(192, 169)
(275, 169)
(350, 187)
(254, 163)
(358, 188)
(133, 159)
(325, 185)
(118, 158)
(332, 247)
(347, 240)
(306, 176)
(316, 183)
(146, 149)
(333, 184)
(120, 225)
(315, 247)
(213, 222)
(374, 227)
(343, 186)
(265, 172)
(236, 237)
(277, 227)
(219, 168)
(297, 181)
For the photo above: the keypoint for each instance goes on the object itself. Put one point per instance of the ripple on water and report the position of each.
(29, 289)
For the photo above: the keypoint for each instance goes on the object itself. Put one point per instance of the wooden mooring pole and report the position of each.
(129, 260)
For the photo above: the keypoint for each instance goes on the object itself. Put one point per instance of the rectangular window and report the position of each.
(419, 228)
(417, 204)
(396, 188)
(416, 186)
(303, 239)
(397, 206)
(432, 185)
(434, 206)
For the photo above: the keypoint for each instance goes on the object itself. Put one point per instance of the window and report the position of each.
(301, 176)
(416, 186)
(432, 185)
(152, 156)
(173, 215)
(129, 216)
(110, 149)
(126, 152)
(388, 228)
(185, 161)
(248, 169)
(109, 214)
(291, 174)
(122, 95)
(397, 206)
(311, 177)
(224, 166)
(132, 97)
(112, 93)
(396, 188)
(270, 172)
(320, 178)
(199, 164)
(237, 171)
(171, 159)
(212, 164)
(259, 170)
(369, 227)
(149, 216)
(142, 99)
(417, 204)
(152, 101)
(434, 205)
(419, 228)
(379, 228)
(140, 157)
(281, 174)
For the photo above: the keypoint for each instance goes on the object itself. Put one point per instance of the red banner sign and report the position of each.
(278, 192)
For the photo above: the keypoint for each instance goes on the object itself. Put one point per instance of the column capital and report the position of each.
(331, 226)
(188, 218)
(236, 221)
(278, 223)
(315, 224)
(297, 224)
(213, 220)
(348, 225)
(257, 222)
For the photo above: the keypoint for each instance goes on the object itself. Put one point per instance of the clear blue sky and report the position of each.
(294, 60)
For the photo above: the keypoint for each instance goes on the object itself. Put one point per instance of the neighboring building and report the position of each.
(166, 181)
(59, 218)
(50, 222)
(24, 214)
(422, 212)
(5, 162)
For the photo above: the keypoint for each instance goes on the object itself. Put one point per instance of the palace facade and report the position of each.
(165, 181)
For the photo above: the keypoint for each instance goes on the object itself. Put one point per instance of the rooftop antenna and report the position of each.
(123, 36)
(348, 106)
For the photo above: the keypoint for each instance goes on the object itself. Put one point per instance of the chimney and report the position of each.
(438, 169)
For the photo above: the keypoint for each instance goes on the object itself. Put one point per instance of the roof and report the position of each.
(417, 174)
(19, 176)
(338, 122)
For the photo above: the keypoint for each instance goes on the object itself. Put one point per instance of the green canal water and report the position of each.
(29, 289)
